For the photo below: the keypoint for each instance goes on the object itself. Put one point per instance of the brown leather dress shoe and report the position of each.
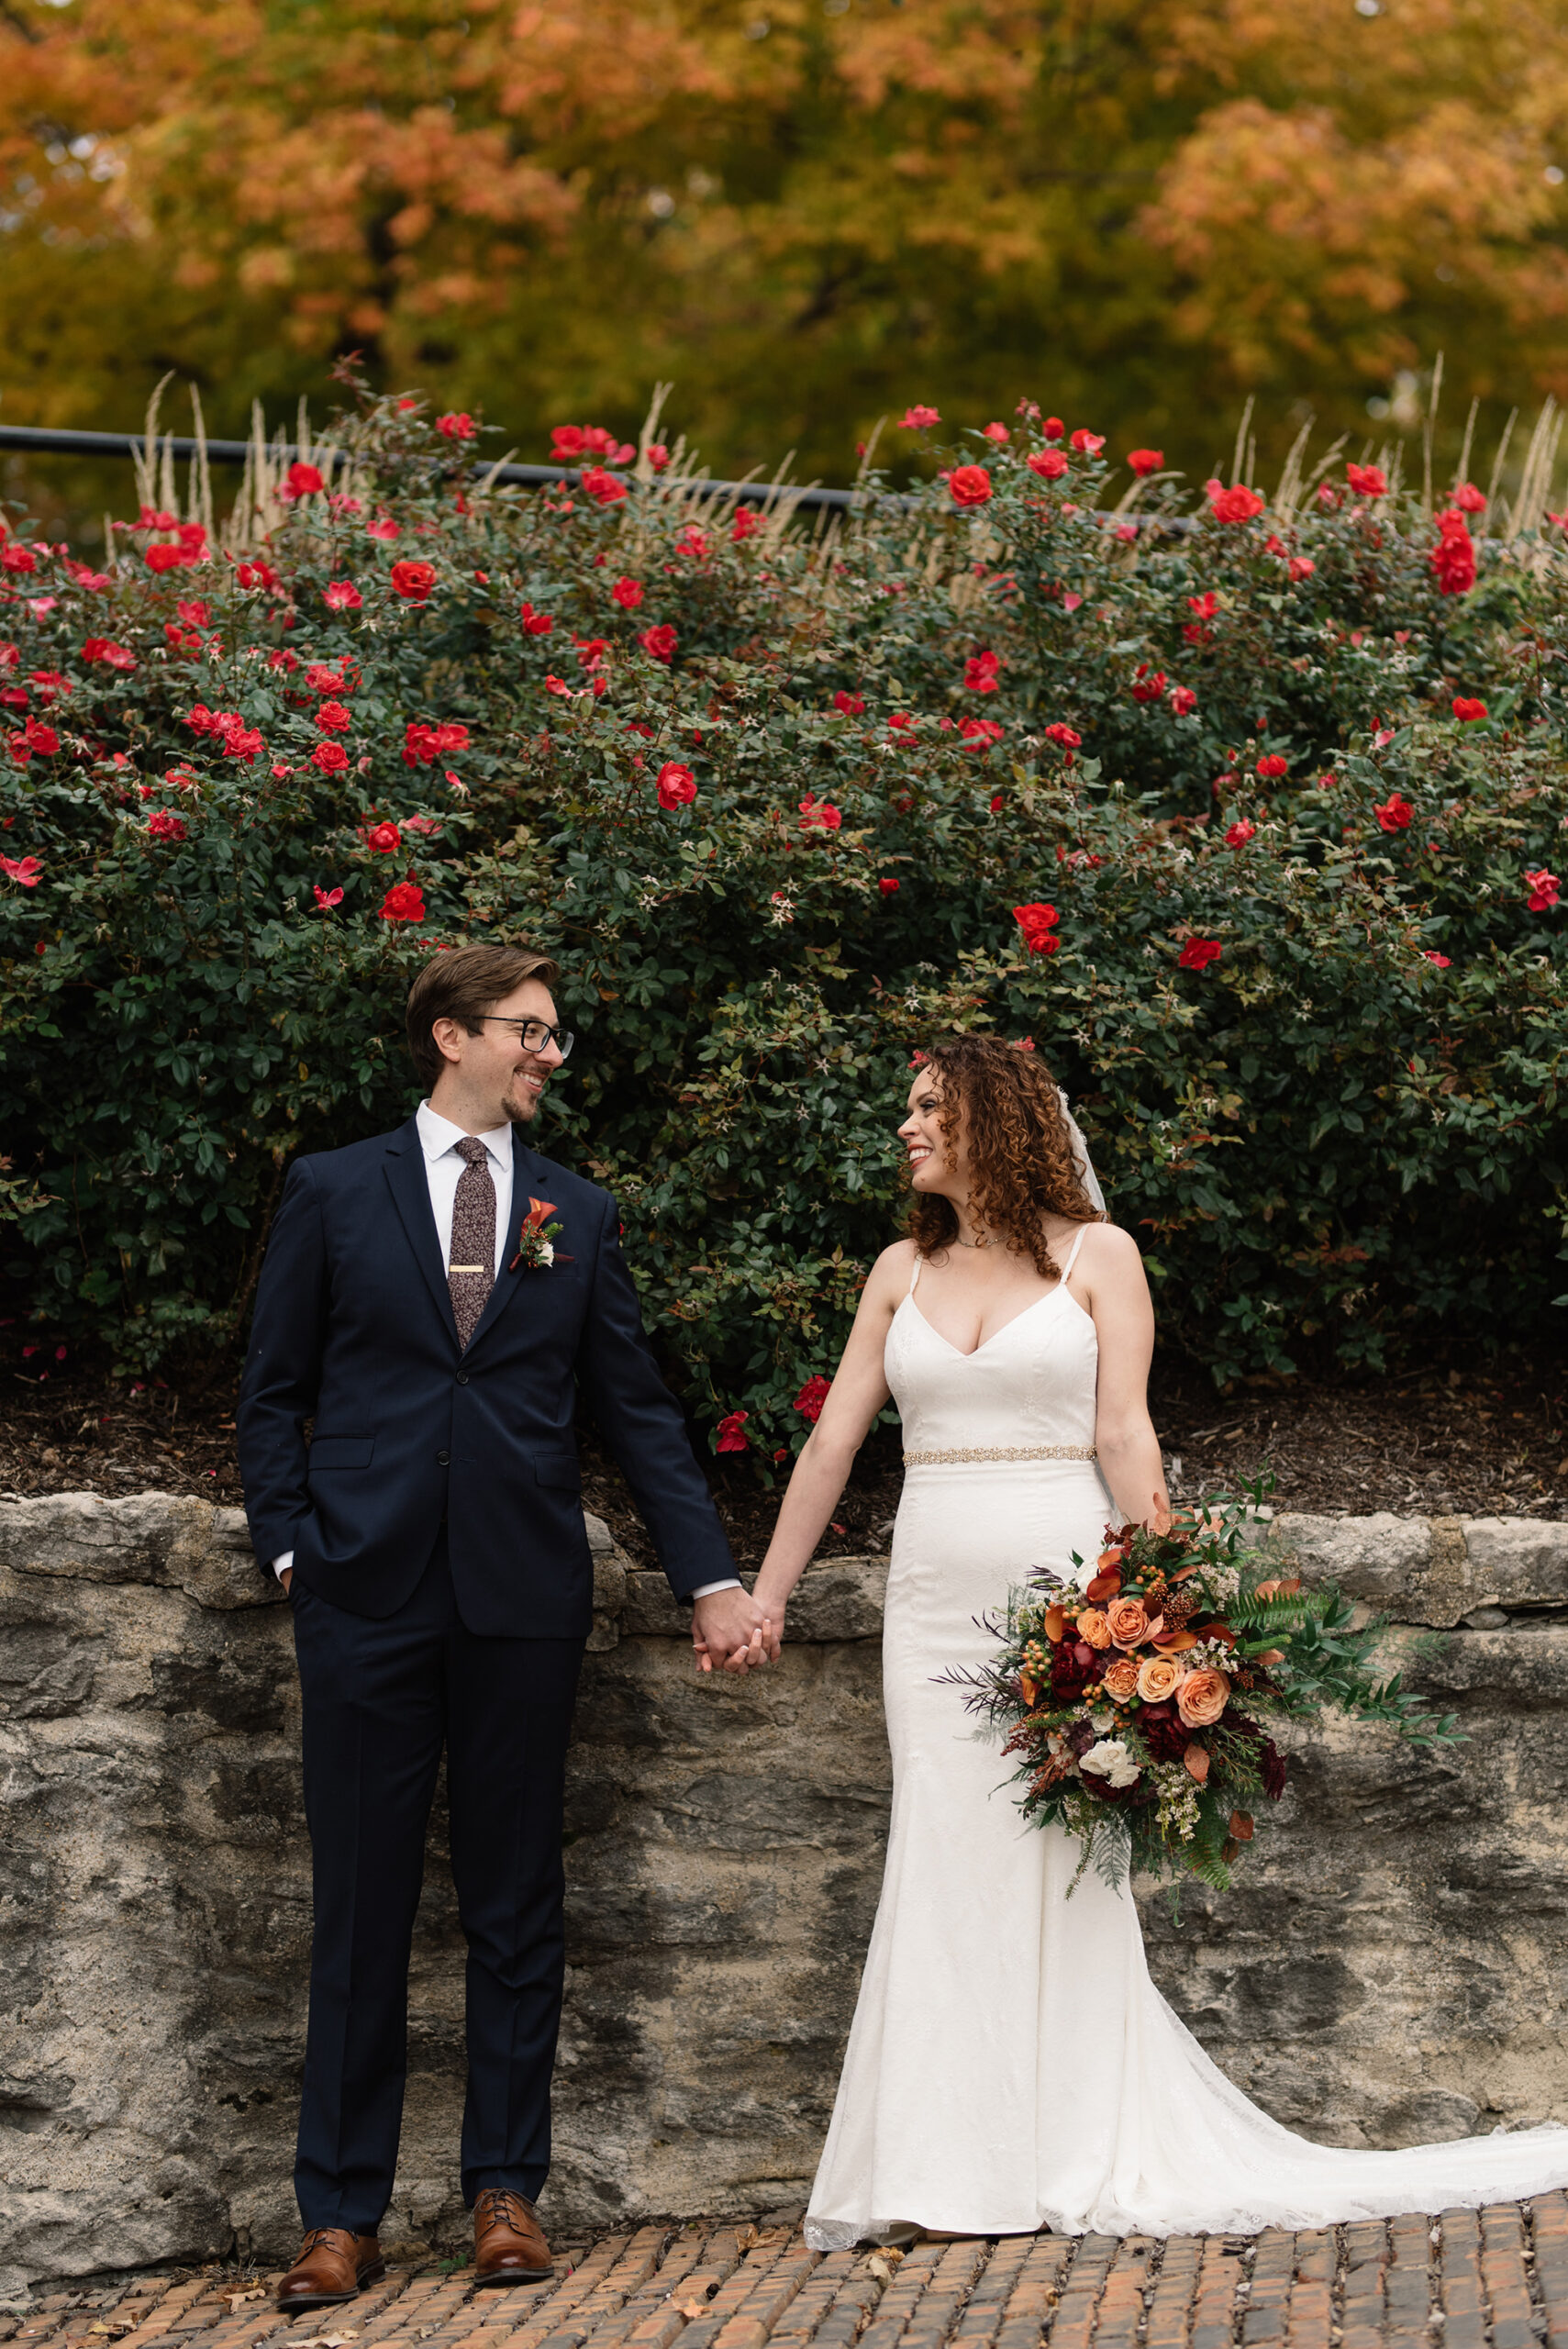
(509, 2246)
(333, 2265)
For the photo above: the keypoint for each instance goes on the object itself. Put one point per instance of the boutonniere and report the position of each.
(536, 1241)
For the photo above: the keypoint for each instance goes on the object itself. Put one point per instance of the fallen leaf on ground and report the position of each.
(689, 2309)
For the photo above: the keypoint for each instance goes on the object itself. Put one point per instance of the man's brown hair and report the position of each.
(464, 986)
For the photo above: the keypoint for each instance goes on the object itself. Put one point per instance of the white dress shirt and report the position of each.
(438, 1138)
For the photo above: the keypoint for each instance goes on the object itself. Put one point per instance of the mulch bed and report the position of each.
(1478, 1442)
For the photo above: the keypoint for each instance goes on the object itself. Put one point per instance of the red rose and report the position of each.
(383, 839)
(566, 443)
(242, 741)
(1271, 766)
(628, 594)
(158, 559)
(677, 786)
(849, 705)
(1239, 832)
(980, 732)
(1000, 433)
(1301, 566)
(819, 815)
(969, 484)
(326, 899)
(888, 885)
(23, 869)
(333, 718)
(1145, 461)
(812, 1396)
(1053, 428)
(1198, 954)
(601, 486)
(729, 1437)
(539, 623)
(1087, 444)
(405, 901)
(457, 427)
(1184, 701)
(1051, 465)
(330, 757)
(745, 525)
(20, 557)
(163, 826)
(1543, 889)
(413, 581)
(1064, 737)
(1395, 814)
(1148, 685)
(658, 641)
(1467, 711)
(980, 673)
(1038, 922)
(342, 595)
(1235, 504)
(916, 419)
(1452, 560)
(1469, 499)
(1442, 961)
(1367, 481)
(301, 481)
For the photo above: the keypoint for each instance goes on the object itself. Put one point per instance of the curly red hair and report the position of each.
(1020, 1152)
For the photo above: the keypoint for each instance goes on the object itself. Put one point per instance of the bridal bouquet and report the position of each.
(1140, 1704)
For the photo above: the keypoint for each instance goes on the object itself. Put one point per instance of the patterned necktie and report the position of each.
(471, 1270)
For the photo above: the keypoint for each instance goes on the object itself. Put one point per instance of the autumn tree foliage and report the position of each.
(804, 212)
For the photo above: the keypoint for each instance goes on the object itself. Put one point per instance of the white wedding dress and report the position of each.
(1011, 2066)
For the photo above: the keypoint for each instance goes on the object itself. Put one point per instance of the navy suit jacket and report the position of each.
(353, 1329)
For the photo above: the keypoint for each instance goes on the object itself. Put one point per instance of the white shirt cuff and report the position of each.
(731, 1582)
(281, 1565)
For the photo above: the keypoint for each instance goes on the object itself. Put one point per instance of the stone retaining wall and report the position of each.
(1390, 1967)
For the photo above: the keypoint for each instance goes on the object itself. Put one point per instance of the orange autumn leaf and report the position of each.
(1196, 1761)
(1241, 1826)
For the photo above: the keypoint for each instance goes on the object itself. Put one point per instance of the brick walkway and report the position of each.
(1489, 2279)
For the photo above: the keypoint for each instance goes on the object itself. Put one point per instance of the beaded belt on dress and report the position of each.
(1031, 1451)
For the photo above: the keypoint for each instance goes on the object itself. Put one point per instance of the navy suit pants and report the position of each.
(381, 1700)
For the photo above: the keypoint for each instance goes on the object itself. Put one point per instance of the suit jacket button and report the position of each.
(462, 1378)
(443, 1458)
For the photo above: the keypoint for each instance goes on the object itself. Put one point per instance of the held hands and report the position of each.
(732, 1632)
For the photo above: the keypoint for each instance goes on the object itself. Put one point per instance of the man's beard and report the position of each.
(521, 1108)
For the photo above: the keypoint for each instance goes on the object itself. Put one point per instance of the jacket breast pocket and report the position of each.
(340, 1451)
(561, 1469)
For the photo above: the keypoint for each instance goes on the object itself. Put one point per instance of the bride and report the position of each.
(1011, 2066)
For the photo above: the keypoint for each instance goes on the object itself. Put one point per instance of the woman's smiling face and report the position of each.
(934, 1164)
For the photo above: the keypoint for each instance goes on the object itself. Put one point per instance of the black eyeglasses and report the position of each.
(534, 1034)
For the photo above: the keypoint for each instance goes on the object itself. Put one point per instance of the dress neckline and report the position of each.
(1048, 1298)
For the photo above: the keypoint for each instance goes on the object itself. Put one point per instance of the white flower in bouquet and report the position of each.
(1111, 1761)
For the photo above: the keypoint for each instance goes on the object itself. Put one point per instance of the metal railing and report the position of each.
(48, 443)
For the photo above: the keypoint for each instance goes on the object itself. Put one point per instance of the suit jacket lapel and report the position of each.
(411, 1193)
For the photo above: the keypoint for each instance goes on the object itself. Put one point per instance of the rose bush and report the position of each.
(1287, 927)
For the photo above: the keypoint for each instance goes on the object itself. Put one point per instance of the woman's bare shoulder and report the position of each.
(888, 1281)
(1109, 1249)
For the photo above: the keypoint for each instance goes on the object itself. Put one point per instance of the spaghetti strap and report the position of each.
(1073, 1256)
(915, 1276)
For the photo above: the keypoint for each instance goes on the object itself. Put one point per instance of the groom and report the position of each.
(429, 1536)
